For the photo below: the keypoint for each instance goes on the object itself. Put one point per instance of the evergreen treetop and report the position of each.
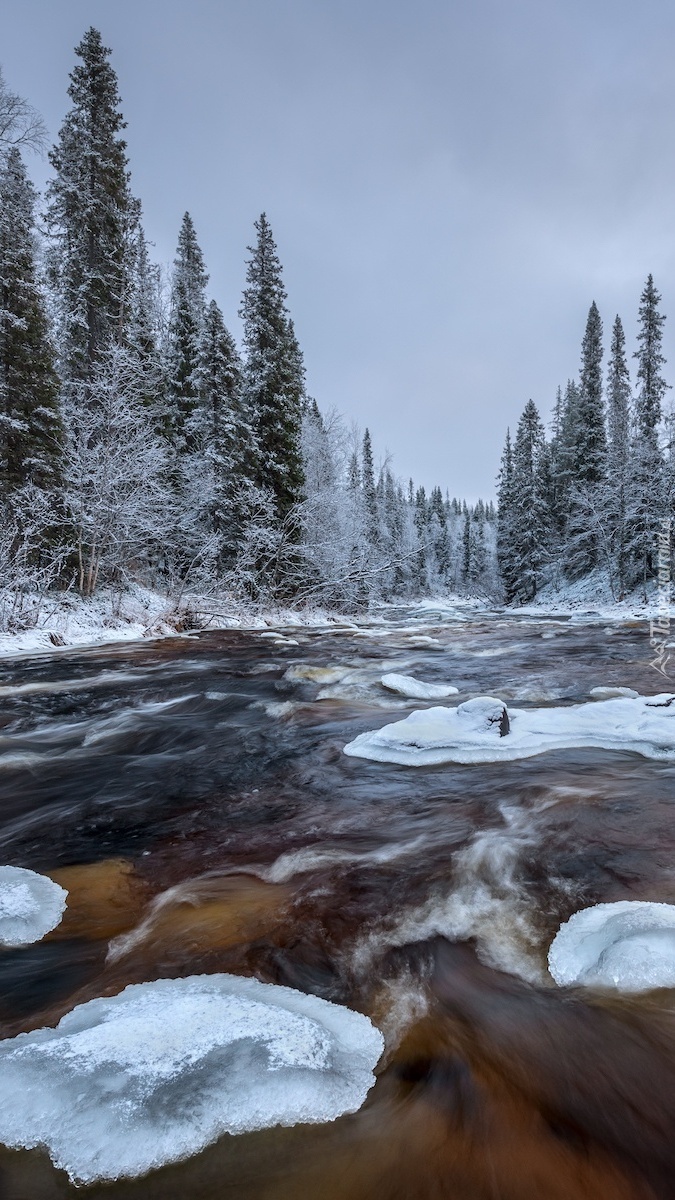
(652, 386)
(88, 208)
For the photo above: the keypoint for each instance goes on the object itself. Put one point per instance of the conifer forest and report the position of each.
(140, 443)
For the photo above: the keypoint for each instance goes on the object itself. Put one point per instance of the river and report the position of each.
(193, 796)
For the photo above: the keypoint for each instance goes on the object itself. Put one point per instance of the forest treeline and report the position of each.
(139, 442)
(598, 494)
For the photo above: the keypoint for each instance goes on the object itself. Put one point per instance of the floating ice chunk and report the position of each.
(470, 733)
(629, 945)
(611, 693)
(126, 1084)
(405, 685)
(30, 905)
(422, 639)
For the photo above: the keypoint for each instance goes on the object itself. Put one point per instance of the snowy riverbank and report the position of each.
(139, 613)
(59, 621)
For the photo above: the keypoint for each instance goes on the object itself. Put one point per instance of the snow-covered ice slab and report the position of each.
(629, 945)
(475, 731)
(125, 1084)
(415, 689)
(30, 905)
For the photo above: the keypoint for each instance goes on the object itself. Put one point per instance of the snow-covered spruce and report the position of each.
(477, 731)
(126, 1084)
(415, 689)
(30, 905)
(629, 945)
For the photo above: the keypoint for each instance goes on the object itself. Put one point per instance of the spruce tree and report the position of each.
(652, 386)
(529, 519)
(591, 443)
(185, 333)
(646, 502)
(477, 549)
(421, 578)
(274, 383)
(30, 423)
(225, 432)
(618, 420)
(587, 464)
(369, 489)
(441, 542)
(506, 563)
(88, 213)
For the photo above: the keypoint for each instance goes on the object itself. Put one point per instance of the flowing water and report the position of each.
(193, 797)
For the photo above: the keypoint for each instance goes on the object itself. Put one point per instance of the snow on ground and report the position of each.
(592, 597)
(415, 689)
(30, 905)
(629, 945)
(67, 620)
(477, 731)
(128, 1083)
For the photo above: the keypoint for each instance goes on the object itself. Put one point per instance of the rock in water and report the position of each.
(629, 945)
(485, 715)
(128, 1083)
(30, 905)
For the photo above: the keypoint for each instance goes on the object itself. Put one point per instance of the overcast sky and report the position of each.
(450, 184)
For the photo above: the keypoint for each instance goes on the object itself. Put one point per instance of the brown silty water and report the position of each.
(193, 797)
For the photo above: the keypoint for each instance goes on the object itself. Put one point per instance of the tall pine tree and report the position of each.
(618, 421)
(30, 423)
(88, 213)
(185, 334)
(646, 504)
(226, 433)
(274, 382)
(589, 459)
(527, 551)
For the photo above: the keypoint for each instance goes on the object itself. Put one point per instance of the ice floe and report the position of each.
(415, 689)
(30, 905)
(482, 730)
(628, 945)
(127, 1083)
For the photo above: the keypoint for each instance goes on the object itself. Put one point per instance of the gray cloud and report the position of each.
(450, 184)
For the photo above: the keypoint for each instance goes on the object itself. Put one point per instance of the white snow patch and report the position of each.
(126, 1084)
(30, 905)
(645, 725)
(628, 945)
(415, 689)
(612, 693)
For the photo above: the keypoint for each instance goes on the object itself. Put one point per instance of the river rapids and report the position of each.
(193, 797)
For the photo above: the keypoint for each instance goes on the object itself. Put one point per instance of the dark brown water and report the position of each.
(210, 769)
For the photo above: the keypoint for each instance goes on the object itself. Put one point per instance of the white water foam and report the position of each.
(488, 903)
